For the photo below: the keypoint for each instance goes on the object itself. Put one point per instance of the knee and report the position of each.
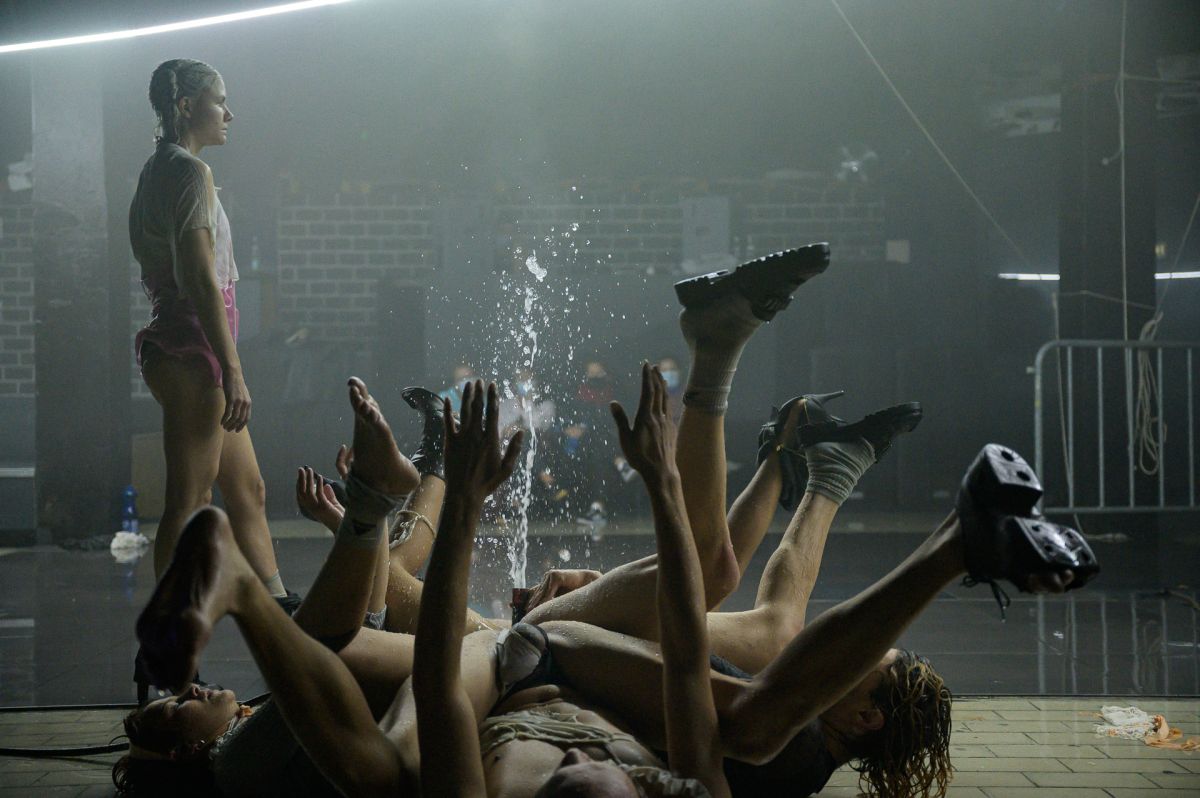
(186, 498)
(783, 629)
(721, 577)
(250, 493)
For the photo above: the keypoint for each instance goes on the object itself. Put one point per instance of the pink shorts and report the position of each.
(175, 330)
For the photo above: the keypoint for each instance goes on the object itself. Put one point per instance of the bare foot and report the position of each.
(197, 589)
(377, 461)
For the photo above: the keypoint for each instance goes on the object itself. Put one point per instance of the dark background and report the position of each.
(474, 94)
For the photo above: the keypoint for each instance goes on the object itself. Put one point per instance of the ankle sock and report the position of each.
(365, 521)
(835, 468)
(274, 585)
(716, 336)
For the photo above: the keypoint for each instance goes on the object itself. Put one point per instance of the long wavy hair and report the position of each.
(910, 755)
(172, 81)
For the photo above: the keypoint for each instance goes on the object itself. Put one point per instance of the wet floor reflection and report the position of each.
(66, 620)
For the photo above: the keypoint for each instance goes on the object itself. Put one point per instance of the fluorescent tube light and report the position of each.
(1054, 277)
(269, 11)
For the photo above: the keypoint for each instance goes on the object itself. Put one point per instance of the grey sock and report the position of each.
(365, 521)
(716, 335)
(835, 468)
(274, 585)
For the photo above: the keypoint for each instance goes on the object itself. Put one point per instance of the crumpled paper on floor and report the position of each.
(127, 547)
(1131, 723)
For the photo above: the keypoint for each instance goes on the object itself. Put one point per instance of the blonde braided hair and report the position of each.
(172, 81)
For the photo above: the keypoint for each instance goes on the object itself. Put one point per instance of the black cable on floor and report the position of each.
(84, 750)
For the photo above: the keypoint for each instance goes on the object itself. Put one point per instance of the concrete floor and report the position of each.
(1002, 748)
(66, 638)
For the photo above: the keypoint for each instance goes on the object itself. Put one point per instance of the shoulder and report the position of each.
(183, 167)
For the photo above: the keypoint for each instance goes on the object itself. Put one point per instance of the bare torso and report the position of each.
(518, 768)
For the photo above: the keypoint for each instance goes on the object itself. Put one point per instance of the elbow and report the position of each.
(755, 737)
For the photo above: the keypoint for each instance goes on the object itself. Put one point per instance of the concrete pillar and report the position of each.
(81, 422)
(1090, 216)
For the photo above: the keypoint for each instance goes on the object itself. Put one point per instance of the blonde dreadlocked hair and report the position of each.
(910, 755)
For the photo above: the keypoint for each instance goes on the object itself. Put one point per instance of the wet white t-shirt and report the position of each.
(172, 198)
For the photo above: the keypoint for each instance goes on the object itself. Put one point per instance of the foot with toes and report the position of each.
(197, 589)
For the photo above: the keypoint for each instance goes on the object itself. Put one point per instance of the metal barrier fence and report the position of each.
(1152, 413)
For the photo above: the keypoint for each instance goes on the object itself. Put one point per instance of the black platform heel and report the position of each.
(768, 282)
(878, 429)
(1004, 535)
(792, 465)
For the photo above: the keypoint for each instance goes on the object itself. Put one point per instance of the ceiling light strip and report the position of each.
(1054, 277)
(239, 16)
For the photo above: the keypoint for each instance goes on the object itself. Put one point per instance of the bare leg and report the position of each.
(752, 512)
(753, 638)
(426, 503)
(623, 600)
(191, 408)
(245, 496)
(315, 691)
(815, 669)
(403, 588)
(404, 606)
(339, 598)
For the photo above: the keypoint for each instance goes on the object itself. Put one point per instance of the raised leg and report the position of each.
(339, 598)
(404, 590)
(315, 691)
(814, 670)
(753, 638)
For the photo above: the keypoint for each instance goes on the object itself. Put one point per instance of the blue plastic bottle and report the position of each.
(129, 513)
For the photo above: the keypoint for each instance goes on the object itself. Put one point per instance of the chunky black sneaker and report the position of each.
(768, 282)
(1004, 535)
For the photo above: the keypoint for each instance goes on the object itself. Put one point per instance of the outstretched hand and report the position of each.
(316, 497)
(557, 582)
(475, 465)
(648, 443)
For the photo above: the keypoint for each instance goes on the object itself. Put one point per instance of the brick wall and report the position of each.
(16, 295)
(333, 250)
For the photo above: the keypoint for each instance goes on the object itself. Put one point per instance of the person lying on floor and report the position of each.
(388, 660)
(327, 703)
(809, 480)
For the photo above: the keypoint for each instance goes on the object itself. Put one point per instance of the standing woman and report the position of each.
(188, 352)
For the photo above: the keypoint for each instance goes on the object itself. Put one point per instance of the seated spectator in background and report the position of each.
(462, 374)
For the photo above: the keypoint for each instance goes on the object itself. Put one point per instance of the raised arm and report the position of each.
(196, 274)
(693, 737)
(446, 726)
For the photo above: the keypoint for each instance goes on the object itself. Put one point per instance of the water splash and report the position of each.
(518, 547)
